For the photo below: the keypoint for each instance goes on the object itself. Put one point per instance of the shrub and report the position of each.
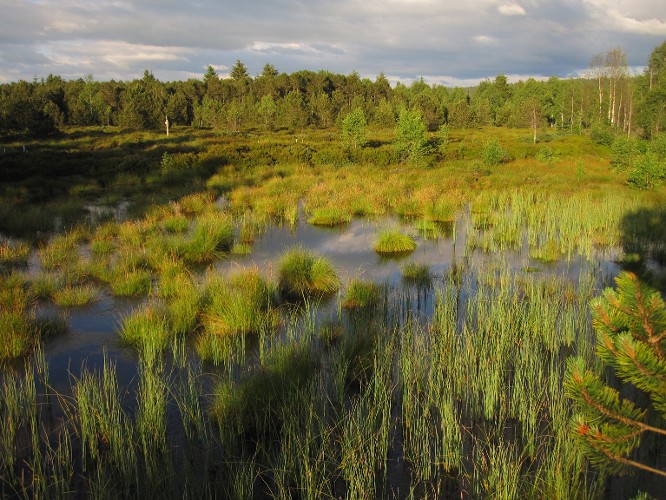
(623, 152)
(602, 135)
(493, 153)
(546, 154)
(647, 173)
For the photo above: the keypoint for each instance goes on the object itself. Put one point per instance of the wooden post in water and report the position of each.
(166, 122)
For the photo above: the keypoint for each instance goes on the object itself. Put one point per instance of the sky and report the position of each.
(447, 42)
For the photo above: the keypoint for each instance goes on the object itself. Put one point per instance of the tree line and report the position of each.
(607, 97)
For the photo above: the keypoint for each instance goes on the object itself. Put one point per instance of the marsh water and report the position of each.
(94, 328)
(93, 335)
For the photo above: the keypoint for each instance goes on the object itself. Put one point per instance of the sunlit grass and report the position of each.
(393, 241)
(302, 273)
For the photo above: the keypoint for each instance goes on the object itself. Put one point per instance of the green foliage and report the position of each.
(393, 241)
(623, 152)
(411, 142)
(354, 128)
(302, 274)
(362, 295)
(630, 323)
(602, 135)
(648, 172)
(493, 153)
(546, 155)
(418, 274)
(243, 304)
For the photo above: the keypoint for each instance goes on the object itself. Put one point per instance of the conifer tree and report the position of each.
(631, 339)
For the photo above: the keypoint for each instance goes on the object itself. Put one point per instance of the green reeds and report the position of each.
(393, 241)
(147, 328)
(14, 252)
(329, 216)
(19, 334)
(362, 295)
(242, 304)
(60, 251)
(418, 274)
(75, 295)
(302, 274)
(212, 235)
(132, 282)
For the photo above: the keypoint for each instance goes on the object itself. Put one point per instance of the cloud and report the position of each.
(511, 9)
(630, 17)
(485, 40)
(468, 40)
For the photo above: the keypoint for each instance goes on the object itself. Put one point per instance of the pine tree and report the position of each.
(631, 338)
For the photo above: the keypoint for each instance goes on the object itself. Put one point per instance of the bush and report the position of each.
(623, 152)
(647, 173)
(546, 154)
(658, 146)
(603, 136)
(493, 153)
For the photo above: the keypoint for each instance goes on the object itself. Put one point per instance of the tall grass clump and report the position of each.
(329, 216)
(14, 253)
(132, 282)
(75, 295)
(18, 334)
(242, 304)
(362, 295)
(418, 274)
(147, 328)
(393, 241)
(212, 235)
(302, 274)
(60, 251)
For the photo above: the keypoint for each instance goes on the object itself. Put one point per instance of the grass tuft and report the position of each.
(75, 295)
(362, 295)
(302, 274)
(392, 241)
(418, 274)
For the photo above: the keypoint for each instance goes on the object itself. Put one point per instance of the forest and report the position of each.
(608, 97)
